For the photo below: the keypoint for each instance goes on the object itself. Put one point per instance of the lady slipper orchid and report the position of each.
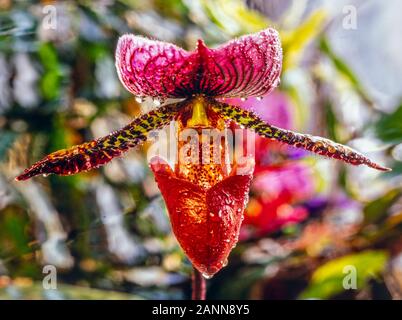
(205, 200)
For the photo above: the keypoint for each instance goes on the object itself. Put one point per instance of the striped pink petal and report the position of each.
(247, 66)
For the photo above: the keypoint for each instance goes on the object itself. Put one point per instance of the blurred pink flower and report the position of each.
(275, 108)
(276, 194)
(278, 110)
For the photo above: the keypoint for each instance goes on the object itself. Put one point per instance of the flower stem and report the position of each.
(198, 285)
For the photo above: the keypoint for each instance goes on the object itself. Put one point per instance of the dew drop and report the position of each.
(243, 99)
(139, 99)
(259, 98)
(225, 263)
(277, 82)
(45, 175)
(207, 275)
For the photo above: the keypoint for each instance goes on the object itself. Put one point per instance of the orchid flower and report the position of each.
(205, 201)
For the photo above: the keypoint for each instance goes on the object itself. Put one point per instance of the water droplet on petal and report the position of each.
(139, 99)
(225, 263)
(259, 98)
(45, 175)
(207, 275)
(277, 82)
(243, 99)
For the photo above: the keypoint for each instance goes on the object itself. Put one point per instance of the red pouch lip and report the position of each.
(206, 222)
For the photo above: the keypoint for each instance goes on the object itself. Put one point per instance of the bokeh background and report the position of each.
(107, 231)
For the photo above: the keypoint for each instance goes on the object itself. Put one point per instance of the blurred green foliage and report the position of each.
(329, 279)
(107, 231)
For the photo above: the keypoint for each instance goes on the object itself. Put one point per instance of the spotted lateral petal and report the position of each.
(96, 153)
(247, 66)
(318, 145)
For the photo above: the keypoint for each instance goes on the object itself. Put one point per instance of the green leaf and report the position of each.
(234, 289)
(176, 9)
(378, 209)
(7, 139)
(50, 81)
(50, 85)
(294, 41)
(234, 17)
(35, 291)
(343, 69)
(48, 56)
(389, 127)
(396, 170)
(13, 233)
(331, 121)
(327, 280)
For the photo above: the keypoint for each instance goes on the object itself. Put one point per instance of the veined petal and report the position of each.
(206, 222)
(244, 67)
(154, 68)
(247, 66)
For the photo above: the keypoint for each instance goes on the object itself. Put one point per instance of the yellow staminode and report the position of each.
(199, 116)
